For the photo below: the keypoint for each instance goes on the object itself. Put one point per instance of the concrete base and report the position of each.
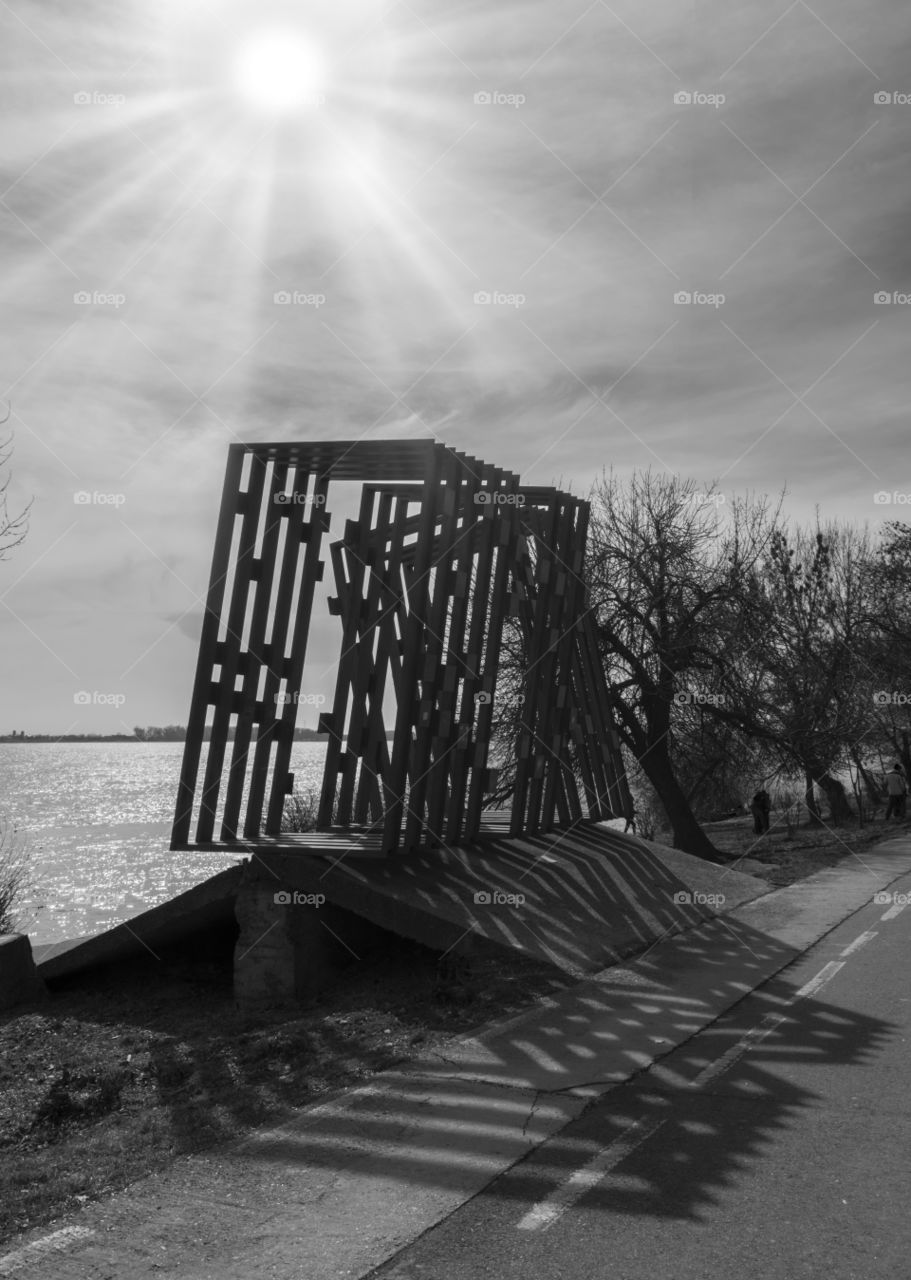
(579, 900)
(291, 944)
(19, 981)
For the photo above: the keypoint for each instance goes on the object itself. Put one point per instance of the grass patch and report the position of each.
(802, 851)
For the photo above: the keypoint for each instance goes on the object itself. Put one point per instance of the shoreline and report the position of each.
(49, 739)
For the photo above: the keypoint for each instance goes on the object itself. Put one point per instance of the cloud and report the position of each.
(595, 199)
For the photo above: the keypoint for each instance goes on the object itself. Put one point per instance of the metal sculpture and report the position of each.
(445, 549)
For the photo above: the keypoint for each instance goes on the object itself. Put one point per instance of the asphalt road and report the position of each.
(774, 1144)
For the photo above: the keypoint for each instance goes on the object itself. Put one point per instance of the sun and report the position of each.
(280, 70)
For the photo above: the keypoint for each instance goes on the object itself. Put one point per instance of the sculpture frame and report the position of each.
(444, 550)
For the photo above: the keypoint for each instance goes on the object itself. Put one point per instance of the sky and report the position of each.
(476, 223)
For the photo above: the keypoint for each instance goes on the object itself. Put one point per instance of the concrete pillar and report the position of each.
(263, 953)
(19, 980)
(291, 943)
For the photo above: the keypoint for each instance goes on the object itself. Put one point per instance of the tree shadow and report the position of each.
(702, 1131)
(454, 1120)
(580, 899)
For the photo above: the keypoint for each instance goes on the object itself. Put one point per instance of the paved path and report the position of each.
(349, 1184)
(774, 1145)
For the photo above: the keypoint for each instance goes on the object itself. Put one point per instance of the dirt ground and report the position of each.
(114, 1075)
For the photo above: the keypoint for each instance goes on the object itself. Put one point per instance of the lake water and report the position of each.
(97, 819)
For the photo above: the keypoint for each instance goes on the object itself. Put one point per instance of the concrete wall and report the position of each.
(207, 906)
(19, 981)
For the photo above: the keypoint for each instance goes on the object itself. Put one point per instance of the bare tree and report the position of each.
(12, 528)
(808, 664)
(667, 567)
(891, 651)
(15, 876)
(14, 864)
(718, 765)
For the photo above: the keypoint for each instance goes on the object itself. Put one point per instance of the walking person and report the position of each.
(897, 791)
(760, 807)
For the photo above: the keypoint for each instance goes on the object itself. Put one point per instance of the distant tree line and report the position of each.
(149, 733)
(178, 733)
(53, 739)
(161, 733)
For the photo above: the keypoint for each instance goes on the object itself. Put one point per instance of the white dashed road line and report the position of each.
(894, 911)
(752, 1037)
(547, 1211)
(860, 941)
(770, 1021)
(826, 974)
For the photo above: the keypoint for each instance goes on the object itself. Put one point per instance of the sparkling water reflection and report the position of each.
(97, 819)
